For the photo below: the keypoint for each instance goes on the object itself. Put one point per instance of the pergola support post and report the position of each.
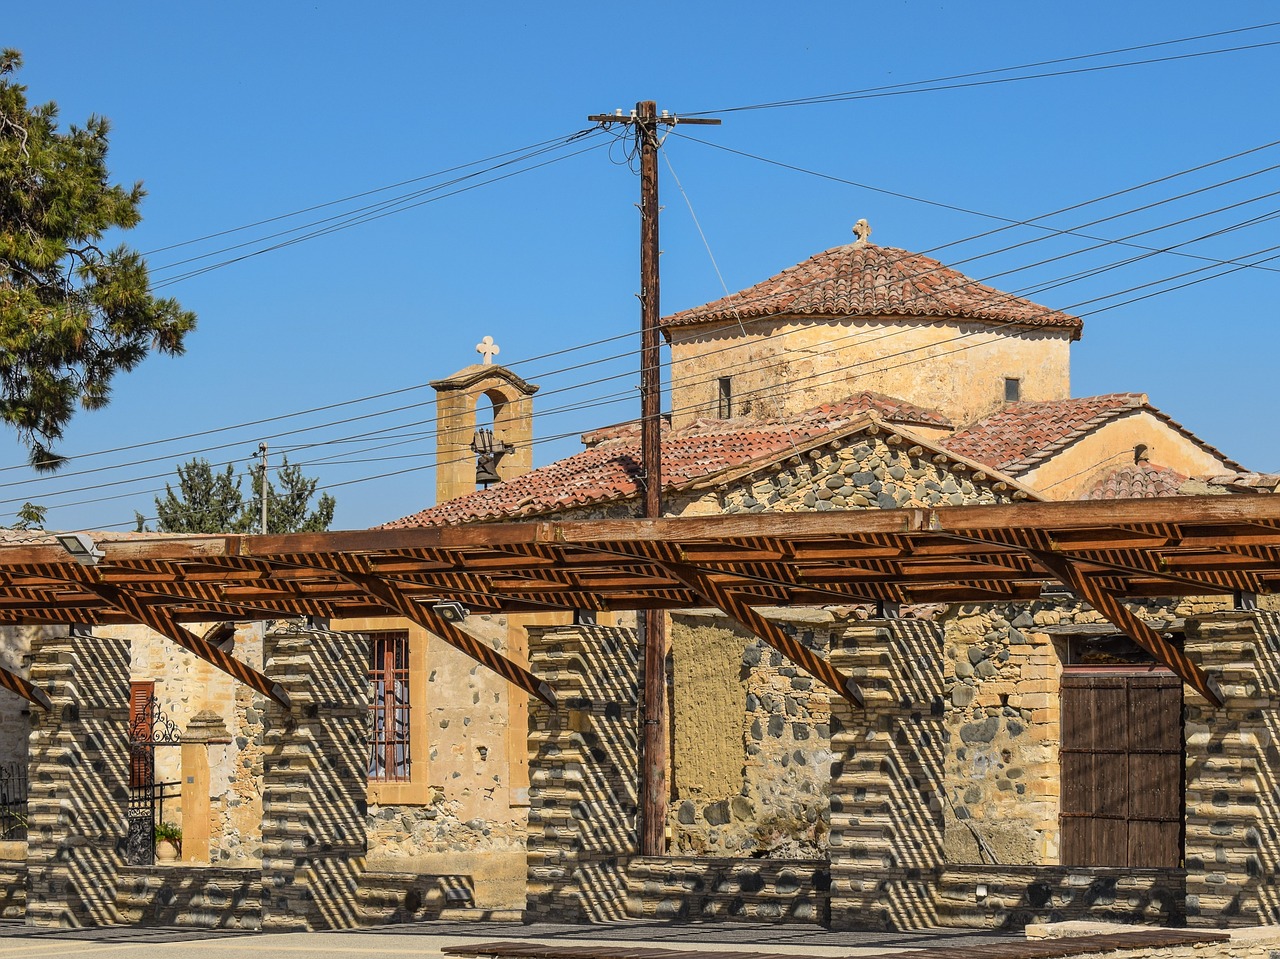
(78, 771)
(1231, 804)
(314, 781)
(887, 777)
(583, 769)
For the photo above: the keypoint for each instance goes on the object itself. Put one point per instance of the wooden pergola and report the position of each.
(1102, 551)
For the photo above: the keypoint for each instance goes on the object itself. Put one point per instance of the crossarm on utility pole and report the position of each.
(701, 583)
(1142, 634)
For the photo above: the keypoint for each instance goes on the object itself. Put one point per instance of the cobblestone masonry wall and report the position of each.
(752, 749)
(314, 789)
(78, 781)
(871, 472)
(1002, 684)
(582, 792)
(1010, 897)
(203, 897)
(886, 779)
(1233, 772)
(749, 890)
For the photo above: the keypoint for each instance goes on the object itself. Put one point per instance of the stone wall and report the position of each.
(752, 740)
(872, 471)
(465, 802)
(1001, 684)
(1010, 897)
(186, 685)
(201, 897)
(783, 365)
(748, 890)
(314, 781)
(582, 773)
(1233, 761)
(886, 779)
(79, 780)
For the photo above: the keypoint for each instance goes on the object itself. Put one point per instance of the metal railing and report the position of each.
(13, 801)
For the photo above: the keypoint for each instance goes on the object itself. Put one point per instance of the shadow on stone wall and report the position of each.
(1010, 897)
(886, 780)
(203, 897)
(1233, 772)
(582, 774)
(78, 790)
(315, 781)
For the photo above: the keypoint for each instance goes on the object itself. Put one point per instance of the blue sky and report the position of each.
(233, 113)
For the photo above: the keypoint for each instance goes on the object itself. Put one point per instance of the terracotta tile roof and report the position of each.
(872, 280)
(1140, 481)
(1017, 436)
(609, 470)
(1020, 436)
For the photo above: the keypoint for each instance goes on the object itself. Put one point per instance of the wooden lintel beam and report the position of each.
(393, 598)
(1142, 634)
(773, 634)
(27, 690)
(159, 619)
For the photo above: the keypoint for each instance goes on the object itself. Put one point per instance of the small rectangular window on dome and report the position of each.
(724, 406)
(1012, 389)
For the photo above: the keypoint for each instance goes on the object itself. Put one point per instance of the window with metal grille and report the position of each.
(389, 707)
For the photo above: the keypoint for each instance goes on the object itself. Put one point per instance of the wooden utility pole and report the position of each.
(655, 734)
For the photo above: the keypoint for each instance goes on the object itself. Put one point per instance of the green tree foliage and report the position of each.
(289, 504)
(31, 516)
(207, 501)
(72, 314)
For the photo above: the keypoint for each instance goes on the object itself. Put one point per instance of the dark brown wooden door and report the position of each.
(1122, 768)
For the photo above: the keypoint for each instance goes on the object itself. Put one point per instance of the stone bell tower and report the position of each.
(467, 456)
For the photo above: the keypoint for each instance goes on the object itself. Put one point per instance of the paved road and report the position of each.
(427, 939)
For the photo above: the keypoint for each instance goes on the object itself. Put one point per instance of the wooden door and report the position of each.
(1122, 768)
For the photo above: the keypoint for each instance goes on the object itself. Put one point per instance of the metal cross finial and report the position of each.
(488, 349)
(862, 230)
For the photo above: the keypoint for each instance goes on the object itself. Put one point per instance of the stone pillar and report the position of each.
(886, 777)
(205, 729)
(314, 780)
(1232, 756)
(583, 773)
(79, 780)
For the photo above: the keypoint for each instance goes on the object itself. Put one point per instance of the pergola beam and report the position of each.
(1142, 634)
(27, 690)
(159, 620)
(713, 594)
(395, 599)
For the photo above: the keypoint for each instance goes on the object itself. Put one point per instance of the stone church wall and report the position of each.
(752, 748)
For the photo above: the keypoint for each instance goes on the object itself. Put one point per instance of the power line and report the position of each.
(945, 83)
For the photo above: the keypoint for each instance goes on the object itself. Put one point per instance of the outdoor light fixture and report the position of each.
(1056, 591)
(81, 547)
(450, 610)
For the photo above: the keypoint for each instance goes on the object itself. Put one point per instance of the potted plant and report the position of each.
(168, 841)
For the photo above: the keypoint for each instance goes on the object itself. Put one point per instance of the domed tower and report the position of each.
(484, 426)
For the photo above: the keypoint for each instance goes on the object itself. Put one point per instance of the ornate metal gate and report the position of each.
(149, 727)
